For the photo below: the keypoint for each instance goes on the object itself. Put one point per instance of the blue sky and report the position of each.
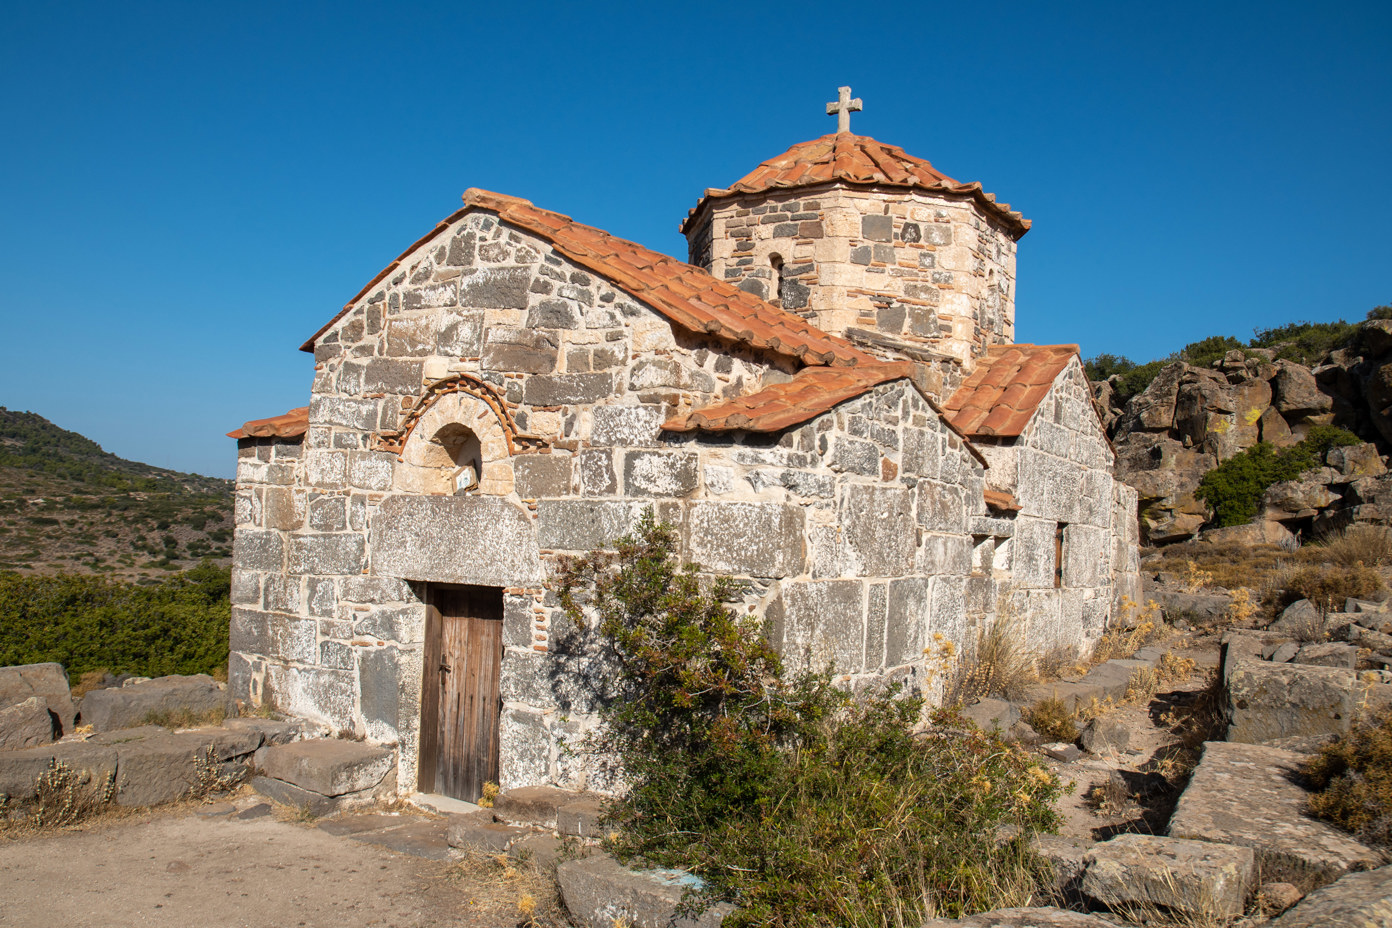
(188, 191)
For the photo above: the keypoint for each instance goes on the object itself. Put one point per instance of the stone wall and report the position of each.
(1060, 469)
(884, 267)
(850, 533)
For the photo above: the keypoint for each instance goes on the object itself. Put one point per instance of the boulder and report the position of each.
(1331, 654)
(1104, 734)
(26, 725)
(138, 704)
(47, 680)
(1246, 795)
(1271, 701)
(1284, 652)
(1042, 917)
(1359, 900)
(1277, 897)
(599, 892)
(1164, 474)
(1217, 415)
(1300, 618)
(1274, 429)
(1295, 392)
(1193, 878)
(1153, 409)
(1199, 607)
(1236, 648)
(1302, 497)
(1065, 857)
(1356, 461)
(1370, 639)
(1261, 532)
(327, 766)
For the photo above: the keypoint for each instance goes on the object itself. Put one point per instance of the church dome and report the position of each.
(861, 161)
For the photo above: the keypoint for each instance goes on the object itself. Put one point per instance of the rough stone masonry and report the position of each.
(829, 409)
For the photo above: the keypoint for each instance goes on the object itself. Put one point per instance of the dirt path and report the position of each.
(180, 870)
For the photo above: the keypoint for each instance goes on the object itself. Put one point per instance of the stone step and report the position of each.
(478, 831)
(1244, 794)
(1192, 878)
(1268, 702)
(331, 767)
(131, 706)
(599, 892)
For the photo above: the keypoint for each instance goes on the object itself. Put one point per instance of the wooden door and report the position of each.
(460, 697)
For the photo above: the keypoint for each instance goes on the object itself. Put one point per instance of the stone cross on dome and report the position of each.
(843, 108)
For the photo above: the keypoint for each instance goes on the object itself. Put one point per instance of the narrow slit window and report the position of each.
(1059, 531)
(776, 264)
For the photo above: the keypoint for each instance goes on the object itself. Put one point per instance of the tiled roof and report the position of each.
(1006, 388)
(859, 159)
(290, 424)
(811, 392)
(688, 296)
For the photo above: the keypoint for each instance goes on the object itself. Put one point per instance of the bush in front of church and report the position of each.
(800, 804)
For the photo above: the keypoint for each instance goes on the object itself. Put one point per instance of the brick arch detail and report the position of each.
(518, 442)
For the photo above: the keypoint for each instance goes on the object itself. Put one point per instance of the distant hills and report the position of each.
(68, 506)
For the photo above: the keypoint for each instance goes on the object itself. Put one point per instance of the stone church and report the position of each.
(827, 403)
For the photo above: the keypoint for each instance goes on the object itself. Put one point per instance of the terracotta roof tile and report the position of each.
(858, 159)
(1007, 386)
(1002, 501)
(688, 296)
(290, 424)
(811, 392)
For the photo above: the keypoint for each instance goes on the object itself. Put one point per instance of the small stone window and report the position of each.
(1060, 532)
(776, 264)
(983, 554)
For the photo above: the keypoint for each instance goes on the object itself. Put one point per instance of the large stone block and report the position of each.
(155, 766)
(329, 766)
(749, 539)
(581, 525)
(455, 539)
(1268, 702)
(338, 553)
(258, 550)
(567, 389)
(905, 620)
(314, 693)
(1192, 878)
(130, 706)
(541, 475)
(878, 527)
(628, 426)
(824, 621)
(524, 351)
(1359, 900)
(1246, 795)
(91, 764)
(390, 375)
(379, 686)
(48, 680)
(599, 892)
(659, 473)
(496, 288)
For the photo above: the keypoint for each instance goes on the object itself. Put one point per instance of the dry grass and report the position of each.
(508, 891)
(1052, 720)
(1358, 546)
(1136, 627)
(998, 666)
(89, 681)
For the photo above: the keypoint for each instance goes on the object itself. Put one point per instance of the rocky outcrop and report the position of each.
(1190, 419)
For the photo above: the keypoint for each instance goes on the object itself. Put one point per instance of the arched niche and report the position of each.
(459, 431)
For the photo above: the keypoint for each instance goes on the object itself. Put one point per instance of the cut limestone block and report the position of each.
(47, 680)
(1072, 695)
(1104, 734)
(28, 724)
(1273, 701)
(1244, 794)
(1359, 900)
(131, 706)
(1190, 877)
(90, 764)
(288, 794)
(155, 765)
(542, 850)
(1114, 676)
(599, 892)
(1237, 648)
(1045, 917)
(272, 731)
(1065, 857)
(581, 817)
(477, 831)
(327, 766)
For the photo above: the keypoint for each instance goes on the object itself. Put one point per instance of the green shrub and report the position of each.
(1204, 352)
(1234, 488)
(178, 625)
(1305, 342)
(804, 806)
(1352, 779)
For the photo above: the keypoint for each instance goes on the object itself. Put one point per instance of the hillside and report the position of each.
(68, 506)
